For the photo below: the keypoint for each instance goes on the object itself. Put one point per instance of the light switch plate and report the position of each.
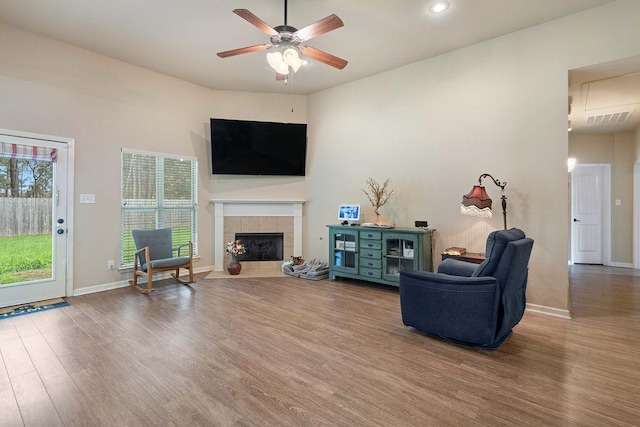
(87, 198)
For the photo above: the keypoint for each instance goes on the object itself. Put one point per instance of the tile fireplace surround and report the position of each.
(256, 216)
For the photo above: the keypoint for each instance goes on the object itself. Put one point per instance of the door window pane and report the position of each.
(26, 204)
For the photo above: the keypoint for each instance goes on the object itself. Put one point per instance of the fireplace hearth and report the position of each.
(262, 246)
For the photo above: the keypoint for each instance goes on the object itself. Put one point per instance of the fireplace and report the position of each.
(257, 216)
(261, 246)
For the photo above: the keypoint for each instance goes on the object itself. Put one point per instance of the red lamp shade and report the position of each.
(476, 203)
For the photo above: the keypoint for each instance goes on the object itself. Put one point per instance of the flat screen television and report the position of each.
(242, 147)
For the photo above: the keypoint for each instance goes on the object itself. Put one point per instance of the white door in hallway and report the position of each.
(34, 183)
(587, 214)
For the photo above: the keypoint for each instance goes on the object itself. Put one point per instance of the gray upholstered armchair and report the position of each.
(471, 304)
(155, 253)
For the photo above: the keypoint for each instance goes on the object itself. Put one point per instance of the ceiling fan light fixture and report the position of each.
(275, 61)
(282, 69)
(274, 58)
(438, 6)
(290, 56)
(281, 61)
(296, 66)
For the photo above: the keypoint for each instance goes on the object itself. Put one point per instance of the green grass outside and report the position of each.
(24, 258)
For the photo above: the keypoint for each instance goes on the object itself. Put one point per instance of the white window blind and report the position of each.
(158, 191)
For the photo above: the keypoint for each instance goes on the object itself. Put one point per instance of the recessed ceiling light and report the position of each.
(438, 6)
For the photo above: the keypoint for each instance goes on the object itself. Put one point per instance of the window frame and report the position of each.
(159, 208)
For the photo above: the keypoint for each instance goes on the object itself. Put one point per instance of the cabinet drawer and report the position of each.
(371, 244)
(374, 235)
(371, 272)
(370, 254)
(370, 263)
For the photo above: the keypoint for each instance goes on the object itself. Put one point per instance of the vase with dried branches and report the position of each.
(378, 196)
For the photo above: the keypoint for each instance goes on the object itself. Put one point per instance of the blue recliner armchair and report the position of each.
(471, 304)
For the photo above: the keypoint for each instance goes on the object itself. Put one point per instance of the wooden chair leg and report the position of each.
(137, 272)
(147, 256)
(134, 281)
(149, 281)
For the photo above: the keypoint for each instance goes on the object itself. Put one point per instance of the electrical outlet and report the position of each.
(111, 265)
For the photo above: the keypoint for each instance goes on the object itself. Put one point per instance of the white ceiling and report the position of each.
(180, 38)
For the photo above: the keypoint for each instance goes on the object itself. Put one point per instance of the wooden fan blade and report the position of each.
(255, 21)
(320, 27)
(325, 57)
(242, 50)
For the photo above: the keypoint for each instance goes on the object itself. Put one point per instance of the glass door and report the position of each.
(399, 253)
(344, 247)
(33, 218)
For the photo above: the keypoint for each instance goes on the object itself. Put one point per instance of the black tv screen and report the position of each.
(241, 147)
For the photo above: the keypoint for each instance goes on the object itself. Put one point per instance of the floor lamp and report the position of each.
(478, 203)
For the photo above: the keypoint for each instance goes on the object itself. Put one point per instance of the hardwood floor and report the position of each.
(285, 351)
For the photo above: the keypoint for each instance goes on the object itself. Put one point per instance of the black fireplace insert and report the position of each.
(262, 246)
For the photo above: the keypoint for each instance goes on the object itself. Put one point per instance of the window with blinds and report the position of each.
(158, 191)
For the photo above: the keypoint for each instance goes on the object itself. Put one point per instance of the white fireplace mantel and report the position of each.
(254, 207)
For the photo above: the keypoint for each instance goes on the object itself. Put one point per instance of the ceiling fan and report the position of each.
(289, 43)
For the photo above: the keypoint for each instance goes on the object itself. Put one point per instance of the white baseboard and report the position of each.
(621, 264)
(123, 283)
(100, 288)
(550, 311)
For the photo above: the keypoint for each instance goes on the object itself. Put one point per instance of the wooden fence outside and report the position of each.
(24, 216)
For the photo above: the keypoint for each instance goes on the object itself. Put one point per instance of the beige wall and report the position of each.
(432, 127)
(618, 150)
(622, 190)
(55, 89)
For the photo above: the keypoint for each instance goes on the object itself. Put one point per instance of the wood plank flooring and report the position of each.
(290, 352)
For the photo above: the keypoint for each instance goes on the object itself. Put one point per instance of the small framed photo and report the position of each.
(349, 213)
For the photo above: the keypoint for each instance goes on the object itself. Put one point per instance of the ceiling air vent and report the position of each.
(609, 119)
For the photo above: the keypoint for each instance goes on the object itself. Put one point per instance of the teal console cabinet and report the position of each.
(378, 254)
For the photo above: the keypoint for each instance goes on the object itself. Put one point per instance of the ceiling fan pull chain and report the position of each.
(291, 92)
